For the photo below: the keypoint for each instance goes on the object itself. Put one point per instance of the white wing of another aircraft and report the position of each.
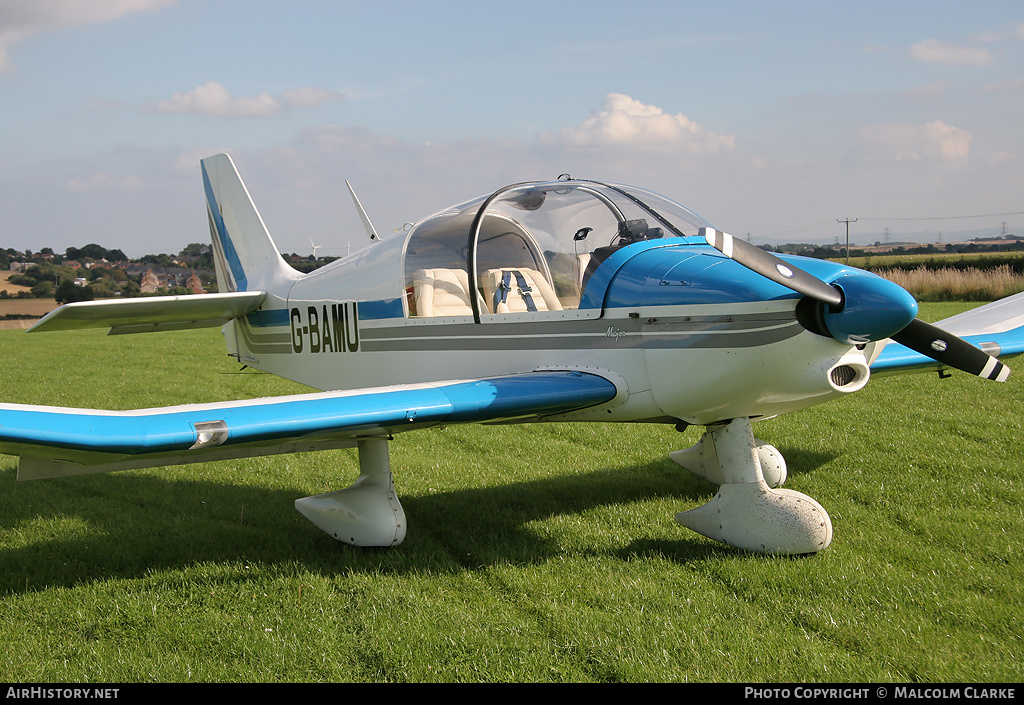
(994, 328)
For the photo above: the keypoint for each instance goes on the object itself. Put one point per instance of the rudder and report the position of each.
(245, 255)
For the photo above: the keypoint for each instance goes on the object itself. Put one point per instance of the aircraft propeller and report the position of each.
(858, 309)
(768, 265)
(950, 350)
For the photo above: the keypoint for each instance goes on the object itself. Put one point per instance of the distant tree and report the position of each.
(194, 249)
(105, 288)
(199, 254)
(68, 293)
(93, 251)
(161, 260)
(43, 289)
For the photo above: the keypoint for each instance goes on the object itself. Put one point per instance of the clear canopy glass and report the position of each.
(532, 246)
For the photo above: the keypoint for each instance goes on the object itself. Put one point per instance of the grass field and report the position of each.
(6, 285)
(936, 260)
(535, 553)
(957, 284)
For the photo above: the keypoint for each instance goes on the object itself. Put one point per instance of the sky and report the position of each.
(773, 120)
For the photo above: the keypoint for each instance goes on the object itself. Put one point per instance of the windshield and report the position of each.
(531, 247)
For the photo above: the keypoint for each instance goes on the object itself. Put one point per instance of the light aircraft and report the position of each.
(568, 300)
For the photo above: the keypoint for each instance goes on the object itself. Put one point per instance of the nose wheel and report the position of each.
(746, 512)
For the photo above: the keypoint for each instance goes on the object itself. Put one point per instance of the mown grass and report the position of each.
(535, 553)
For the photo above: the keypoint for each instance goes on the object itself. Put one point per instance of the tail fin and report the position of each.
(246, 257)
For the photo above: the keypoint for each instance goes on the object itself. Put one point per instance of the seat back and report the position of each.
(441, 292)
(518, 289)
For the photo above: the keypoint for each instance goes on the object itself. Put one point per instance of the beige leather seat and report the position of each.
(441, 292)
(515, 289)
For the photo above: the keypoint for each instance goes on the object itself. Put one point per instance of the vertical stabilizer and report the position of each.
(246, 257)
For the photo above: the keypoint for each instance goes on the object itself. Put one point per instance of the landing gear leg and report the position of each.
(702, 459)
(366, 514)
(746, 513)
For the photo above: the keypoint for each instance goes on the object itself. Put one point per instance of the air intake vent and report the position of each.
(842, 375)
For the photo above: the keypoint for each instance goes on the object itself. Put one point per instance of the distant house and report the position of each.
(150, 283)
(153, 282)
(194, 283)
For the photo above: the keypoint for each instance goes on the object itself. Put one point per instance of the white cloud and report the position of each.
(899, 142)
(1016, 32)
(212, 98)
(23, 18)
(1001, 156)
(1014, 84)
(624, 121)
(215, 100)
(933, 51)
(309, 97)
(930, 90)
(103, 181)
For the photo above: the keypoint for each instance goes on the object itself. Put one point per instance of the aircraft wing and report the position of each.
(155, 313)
(997, 328)
(54, 441)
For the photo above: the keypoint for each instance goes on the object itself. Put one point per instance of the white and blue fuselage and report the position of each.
(687, 334)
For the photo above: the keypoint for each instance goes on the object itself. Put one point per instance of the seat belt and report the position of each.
(506, 286)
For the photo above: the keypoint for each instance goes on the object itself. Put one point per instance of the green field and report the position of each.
(534, 553)
(937, 260)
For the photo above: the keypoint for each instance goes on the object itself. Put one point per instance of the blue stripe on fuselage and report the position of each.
(382, 308)
(368, 310)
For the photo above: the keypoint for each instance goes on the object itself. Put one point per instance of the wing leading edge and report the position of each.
(54, 441)
(144, 315)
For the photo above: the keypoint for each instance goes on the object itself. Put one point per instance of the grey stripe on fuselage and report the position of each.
(721, 331)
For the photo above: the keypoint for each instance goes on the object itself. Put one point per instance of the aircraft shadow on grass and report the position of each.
(189, 522)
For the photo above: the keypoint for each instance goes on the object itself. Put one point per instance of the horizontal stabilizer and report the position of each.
(55, 441)
(144, 315)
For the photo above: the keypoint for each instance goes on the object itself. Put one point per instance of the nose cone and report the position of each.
(873, 309)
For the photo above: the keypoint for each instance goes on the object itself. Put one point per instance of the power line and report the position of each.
(953, 217)
(802, 228)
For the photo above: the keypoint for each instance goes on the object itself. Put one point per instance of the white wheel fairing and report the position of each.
(746, 513)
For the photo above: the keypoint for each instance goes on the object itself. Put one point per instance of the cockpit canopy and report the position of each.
(530, 247)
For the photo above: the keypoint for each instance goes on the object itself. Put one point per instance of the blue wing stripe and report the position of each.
(25, 429)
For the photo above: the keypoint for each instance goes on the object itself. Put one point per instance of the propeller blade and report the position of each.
(950, 350)
(768, 265)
